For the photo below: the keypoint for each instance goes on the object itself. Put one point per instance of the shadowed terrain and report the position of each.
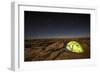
(54, 49)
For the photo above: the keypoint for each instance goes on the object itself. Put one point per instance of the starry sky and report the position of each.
(55, 25)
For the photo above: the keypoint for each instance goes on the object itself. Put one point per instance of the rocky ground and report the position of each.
(54, 49)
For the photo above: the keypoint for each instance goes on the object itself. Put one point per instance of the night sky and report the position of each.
(56, 25)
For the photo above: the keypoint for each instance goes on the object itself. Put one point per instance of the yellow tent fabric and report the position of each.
(74, 46)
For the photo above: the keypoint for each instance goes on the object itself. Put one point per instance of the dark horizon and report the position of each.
(56, 25)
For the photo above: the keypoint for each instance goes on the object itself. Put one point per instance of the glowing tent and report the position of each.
(74, 46)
